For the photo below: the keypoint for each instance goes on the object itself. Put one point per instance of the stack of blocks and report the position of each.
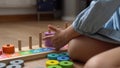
(59, 60)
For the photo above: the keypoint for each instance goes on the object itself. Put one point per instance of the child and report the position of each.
(94, 35)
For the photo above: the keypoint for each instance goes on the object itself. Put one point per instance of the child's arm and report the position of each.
(61, 37)
(97, 14)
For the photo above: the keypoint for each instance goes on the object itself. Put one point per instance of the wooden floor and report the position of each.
(11, 32)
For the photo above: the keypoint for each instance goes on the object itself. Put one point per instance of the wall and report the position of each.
(8, 7)
(72, 8)
(12, 7)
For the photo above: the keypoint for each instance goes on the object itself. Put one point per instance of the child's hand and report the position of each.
(59, 39)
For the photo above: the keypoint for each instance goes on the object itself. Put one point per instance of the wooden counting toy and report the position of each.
(11, 57)
(15, 57)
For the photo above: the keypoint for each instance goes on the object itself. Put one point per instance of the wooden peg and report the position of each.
(66, 25)
(30, 42)
(19, 45)
(40, 39)
(58, 26)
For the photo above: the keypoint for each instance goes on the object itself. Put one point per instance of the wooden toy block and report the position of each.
(66, 64)
(51, 62)
(17, 62)
(8, 48)
(52, 56)
(30, 42)
(54, 66)
(66, 24)
(14, 66)
(40, 39)
(63, 58)
(2, 65)
(19, 45)
(48, 41)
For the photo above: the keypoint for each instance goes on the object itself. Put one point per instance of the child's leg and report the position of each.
(83, 48)
(107, 59)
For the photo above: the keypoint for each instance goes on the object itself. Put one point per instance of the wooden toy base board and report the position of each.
(28, 54)
(40, 63)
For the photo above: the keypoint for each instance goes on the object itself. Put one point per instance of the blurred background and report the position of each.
(20, 19)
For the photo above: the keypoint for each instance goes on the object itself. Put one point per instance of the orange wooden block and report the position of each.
(9, 48)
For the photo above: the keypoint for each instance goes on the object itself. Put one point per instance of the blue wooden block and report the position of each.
(36, 51)
(63, 58)
(64, 54)
(47, 49)
(52, 56)
(40, 50)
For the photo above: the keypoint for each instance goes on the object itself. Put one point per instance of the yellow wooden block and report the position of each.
(52, 62)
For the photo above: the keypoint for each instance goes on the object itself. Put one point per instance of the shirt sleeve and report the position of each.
(90, 20)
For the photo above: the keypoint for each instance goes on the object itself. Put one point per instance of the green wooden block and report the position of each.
(25, 52)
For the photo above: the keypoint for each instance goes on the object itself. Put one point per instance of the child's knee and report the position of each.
(99, 62)
(75, 50)
(72, 49)
(94, 62)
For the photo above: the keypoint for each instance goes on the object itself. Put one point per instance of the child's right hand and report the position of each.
(59, 39)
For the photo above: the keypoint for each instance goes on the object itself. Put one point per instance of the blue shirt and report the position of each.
(100, 20)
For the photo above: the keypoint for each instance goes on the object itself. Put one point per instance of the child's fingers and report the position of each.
(47, 37)
(53, 28)
(57, 49)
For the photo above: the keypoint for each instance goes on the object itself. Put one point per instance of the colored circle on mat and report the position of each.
(64, 54)
(52, 56)
(2, 65)
(17, 62)
(14, 66)
(66, 64)
(52, 62)
(54, 66)
(63, 58)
